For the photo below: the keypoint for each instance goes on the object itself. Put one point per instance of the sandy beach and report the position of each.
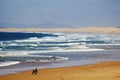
(101, 71)
(61, 39)
(87, 29)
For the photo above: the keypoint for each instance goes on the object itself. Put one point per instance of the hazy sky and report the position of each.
(68, 12)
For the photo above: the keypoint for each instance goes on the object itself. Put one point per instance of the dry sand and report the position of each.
(88, 29)
(101, 71)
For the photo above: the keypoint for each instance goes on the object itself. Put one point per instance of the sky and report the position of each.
(80, 13)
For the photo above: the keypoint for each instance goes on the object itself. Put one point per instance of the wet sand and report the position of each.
(101, 71)
(86, 30)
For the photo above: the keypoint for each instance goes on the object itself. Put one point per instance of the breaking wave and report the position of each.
(8, 63)
(54, 41)
(22, 47)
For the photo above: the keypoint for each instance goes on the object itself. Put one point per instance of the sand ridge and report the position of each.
(86, 30)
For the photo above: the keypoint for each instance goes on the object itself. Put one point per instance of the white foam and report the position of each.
(70, 37)
(8, 63)
(13, 53)
(65, 42)
(62, 58)
(68, 50)
(49, 59)
(12, 44)
(0, 48)
(75, 48)
(106, 44)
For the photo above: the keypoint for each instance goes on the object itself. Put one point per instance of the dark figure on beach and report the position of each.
(35, 71)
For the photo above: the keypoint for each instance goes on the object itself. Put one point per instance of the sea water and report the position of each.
(24, 51)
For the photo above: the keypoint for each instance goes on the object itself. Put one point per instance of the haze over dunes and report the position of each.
(88, 29)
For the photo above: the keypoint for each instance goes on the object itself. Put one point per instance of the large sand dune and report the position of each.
(88, 29)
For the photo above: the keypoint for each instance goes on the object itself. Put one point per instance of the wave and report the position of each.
(55, 49)
(106, 46)
(22, 35)
(72, 38)
(48, 47)
(13, 53)
(12, 59)
(50, 59)
(60, 41)
(8, 63)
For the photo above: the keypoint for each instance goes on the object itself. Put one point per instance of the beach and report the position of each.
(101, 71)
(60, 53)
(61, 39)
(78, 30)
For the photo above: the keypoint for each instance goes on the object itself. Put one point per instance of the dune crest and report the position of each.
(87, 29)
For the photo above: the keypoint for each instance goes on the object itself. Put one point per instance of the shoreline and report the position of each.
(77, 30)
(105, 70)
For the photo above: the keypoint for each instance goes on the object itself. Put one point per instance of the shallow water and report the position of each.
(75, 59)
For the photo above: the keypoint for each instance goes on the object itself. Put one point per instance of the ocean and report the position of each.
(21, 51)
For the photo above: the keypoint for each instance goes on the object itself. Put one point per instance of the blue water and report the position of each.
(51, 41)
(4, 36)
(28, 50)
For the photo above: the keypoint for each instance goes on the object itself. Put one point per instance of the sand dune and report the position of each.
(88, 29)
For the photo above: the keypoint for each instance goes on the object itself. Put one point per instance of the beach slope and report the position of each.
(101, 71)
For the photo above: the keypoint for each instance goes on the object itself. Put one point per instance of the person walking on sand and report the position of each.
(35, 71)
